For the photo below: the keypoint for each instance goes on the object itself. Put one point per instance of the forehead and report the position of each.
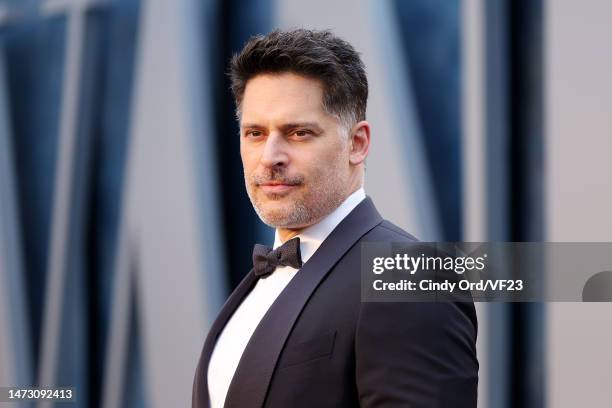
(284, 96)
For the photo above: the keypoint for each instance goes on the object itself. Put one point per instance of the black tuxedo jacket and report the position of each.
(320, 346)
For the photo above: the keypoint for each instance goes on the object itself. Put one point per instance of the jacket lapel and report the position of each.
(254, 372)
(200, 386)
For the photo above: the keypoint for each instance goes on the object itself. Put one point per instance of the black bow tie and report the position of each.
(265, 259)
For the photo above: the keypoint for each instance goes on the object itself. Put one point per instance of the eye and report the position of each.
(302, 132)
(253, 133)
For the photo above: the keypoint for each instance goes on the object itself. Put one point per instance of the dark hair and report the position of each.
(316, 54)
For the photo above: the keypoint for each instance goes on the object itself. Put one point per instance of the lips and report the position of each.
(277, 187)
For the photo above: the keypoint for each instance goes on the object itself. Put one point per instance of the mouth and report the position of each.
(277, 188)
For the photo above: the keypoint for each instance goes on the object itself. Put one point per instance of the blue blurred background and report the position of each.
(124, 222)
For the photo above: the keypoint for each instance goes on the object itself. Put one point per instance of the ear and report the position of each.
(359, 143)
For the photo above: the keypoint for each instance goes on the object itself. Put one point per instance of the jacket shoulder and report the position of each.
(387, 231)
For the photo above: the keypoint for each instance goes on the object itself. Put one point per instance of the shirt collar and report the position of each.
(312, 237)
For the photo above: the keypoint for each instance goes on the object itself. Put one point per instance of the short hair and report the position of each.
(316, 54)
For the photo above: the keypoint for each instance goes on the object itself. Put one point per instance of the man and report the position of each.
(295, 333)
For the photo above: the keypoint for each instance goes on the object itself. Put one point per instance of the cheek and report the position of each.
(249, 159)
(335, 156)
(327, 165)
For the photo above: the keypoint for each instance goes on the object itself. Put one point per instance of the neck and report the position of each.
(285, 234)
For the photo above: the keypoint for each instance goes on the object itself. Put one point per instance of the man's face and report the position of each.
(295, 155)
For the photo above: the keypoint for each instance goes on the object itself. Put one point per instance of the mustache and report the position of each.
(277, 177)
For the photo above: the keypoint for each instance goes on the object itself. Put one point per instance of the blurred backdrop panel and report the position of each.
(579, 190)
(124, 221)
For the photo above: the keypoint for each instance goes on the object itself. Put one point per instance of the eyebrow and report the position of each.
(287, 126)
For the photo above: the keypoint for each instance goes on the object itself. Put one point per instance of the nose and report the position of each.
(275, 151)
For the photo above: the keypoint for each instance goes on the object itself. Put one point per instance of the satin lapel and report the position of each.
(252, 378)
(200, 388)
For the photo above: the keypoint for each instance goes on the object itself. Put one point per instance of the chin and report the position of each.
(276, 202)
(276, 212)
(278, 215)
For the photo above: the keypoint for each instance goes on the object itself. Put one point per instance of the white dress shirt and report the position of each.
(240, 327)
